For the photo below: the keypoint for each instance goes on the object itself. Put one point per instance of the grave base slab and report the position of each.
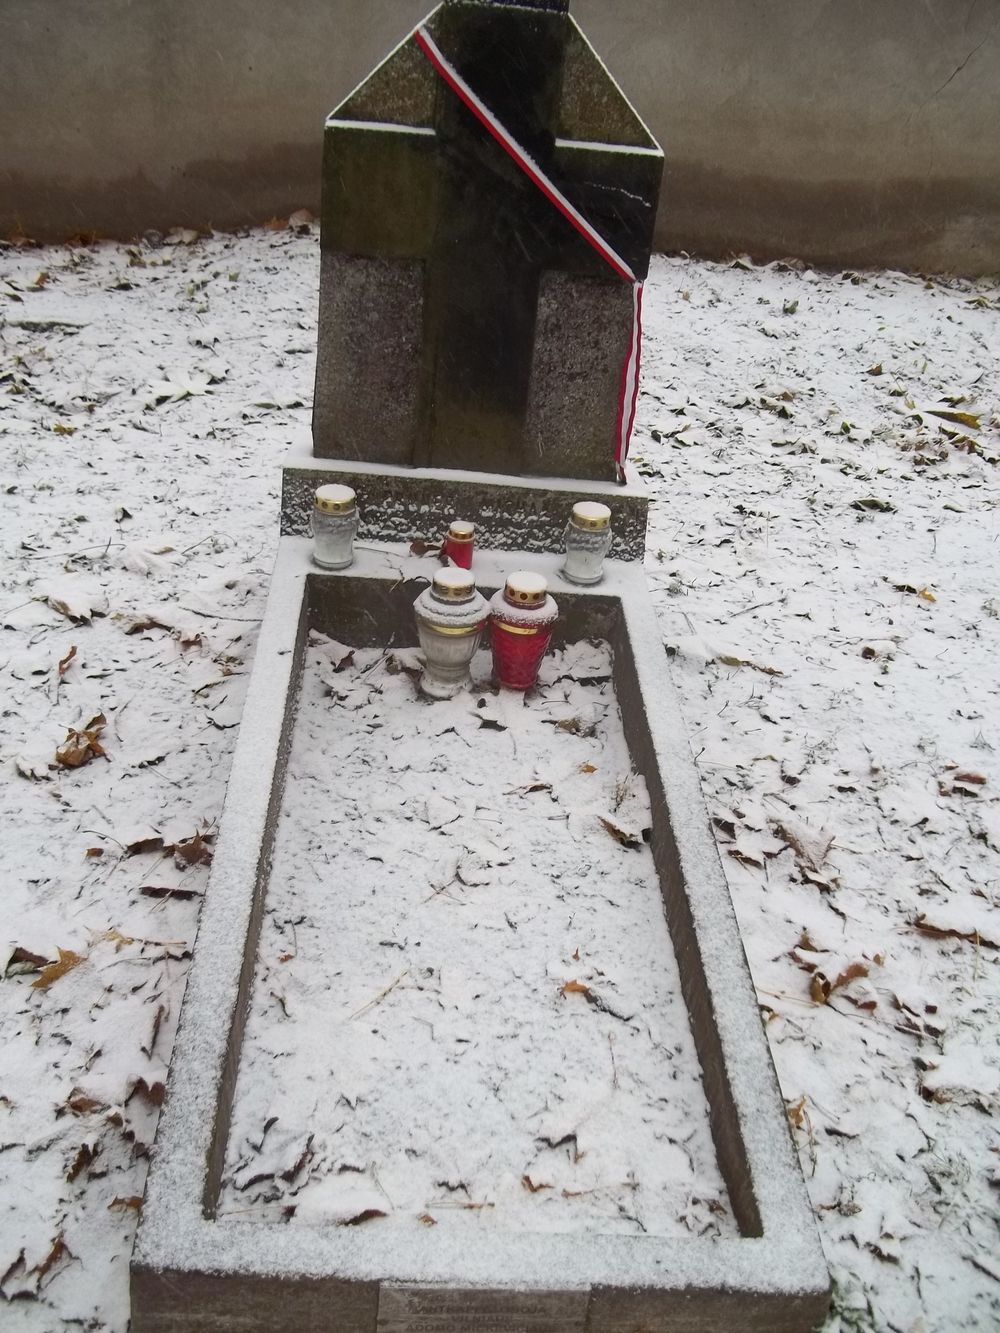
(193, 1270)
(515, 513)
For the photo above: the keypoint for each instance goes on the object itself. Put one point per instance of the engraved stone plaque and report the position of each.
(415, 1309)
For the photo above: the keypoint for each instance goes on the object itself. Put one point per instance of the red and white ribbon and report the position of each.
(629, 391)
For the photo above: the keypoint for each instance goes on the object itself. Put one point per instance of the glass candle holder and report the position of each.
(588, 540)
(459, 543)
(450, 616)
(334, 525)
(522, 615)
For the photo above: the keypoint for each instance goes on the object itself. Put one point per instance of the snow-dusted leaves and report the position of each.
(76, 596)
(176, 386)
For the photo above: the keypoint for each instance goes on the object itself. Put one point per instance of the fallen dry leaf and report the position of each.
(133, 1201)
(620, 835)
(53, 971)
(81, 1161)
(961, 784)
(811, 845)
(729, 659)
(152, 1093)
(970, 419)
(81, 746)
(926, 593)
(574, 988)
(145, 842)
(114, 936)
(168, 891)
(21, 961)
(943, 930)
(33, 764)
(745, 858)
(821, 987)
(419, 547)
(194, 851)
(59, 1248)
(797, 1113)
(143, 623)
(368, 1215)
(531, 1187)
(81, 1104)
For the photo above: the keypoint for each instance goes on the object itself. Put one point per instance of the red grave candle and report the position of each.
(522, 615)
(459, 543)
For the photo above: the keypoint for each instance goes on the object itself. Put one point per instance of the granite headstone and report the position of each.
(464, 322)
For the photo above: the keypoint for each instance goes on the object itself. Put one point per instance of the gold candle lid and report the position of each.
(591, 515)
(523, 588)
(335, 499)
(461, 531)
(453, 585)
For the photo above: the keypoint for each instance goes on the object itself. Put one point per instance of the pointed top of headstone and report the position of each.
(553, 6)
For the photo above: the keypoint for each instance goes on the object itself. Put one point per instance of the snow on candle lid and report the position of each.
(453, 585)
(589, 514)
(524, 588)
(334, 499)
(461, 531)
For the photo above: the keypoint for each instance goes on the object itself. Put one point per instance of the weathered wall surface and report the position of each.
(844, 131)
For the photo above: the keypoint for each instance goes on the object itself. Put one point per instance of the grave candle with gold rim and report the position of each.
(522, 615)
(588, 540)
(459, 543)
(334, 524)
(450, 616)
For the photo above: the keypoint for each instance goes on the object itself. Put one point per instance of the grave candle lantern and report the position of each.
(334, 525)
(450, 616)
(459, 543)
(522, 615)
(588, 539)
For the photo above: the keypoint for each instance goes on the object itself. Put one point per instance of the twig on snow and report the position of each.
(381, 995)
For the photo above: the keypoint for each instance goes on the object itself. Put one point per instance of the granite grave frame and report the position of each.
(194, 1270)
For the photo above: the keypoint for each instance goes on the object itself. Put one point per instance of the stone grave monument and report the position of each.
(488, 205)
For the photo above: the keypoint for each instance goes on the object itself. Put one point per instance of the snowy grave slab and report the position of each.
(466, 1011)
(469, 1040)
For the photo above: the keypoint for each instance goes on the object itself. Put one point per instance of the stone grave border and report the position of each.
(191, 1271)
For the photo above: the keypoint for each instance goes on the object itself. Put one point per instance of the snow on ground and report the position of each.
(823, 552)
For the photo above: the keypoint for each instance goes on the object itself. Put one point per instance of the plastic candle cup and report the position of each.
(588, 539)
(451, 616)
(459, 543)
(334, 525)
(522, 615)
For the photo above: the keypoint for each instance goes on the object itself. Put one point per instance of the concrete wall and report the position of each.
(843, 131)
